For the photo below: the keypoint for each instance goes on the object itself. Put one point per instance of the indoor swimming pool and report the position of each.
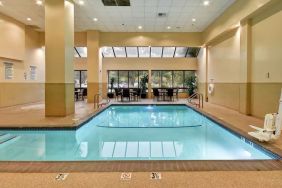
(133, 132)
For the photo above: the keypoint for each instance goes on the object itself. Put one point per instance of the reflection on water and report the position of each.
(96, 141)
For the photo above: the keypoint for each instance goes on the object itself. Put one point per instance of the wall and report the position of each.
(21, 46)
(201, 72)
(267, 57)
(224, 69)
(145, 64)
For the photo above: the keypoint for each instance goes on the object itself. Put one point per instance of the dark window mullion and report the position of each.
(77, 52)
(162, 52)
(138, 51)
(125, 52)
(174, 52)
(187, 52)
(114, 51)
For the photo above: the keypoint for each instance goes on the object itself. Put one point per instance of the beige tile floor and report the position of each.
(271, 179)
(33, 115)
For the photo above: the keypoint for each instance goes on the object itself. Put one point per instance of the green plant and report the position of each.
(112, 81)
(191, 84)
(143, 83)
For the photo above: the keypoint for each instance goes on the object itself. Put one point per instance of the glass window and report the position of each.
(131, 52)
(83, 79)
(178, 79)
(156, 51)
(144, 51)
(188, 74)
(77, 79)
(81, 52)
(180, 51)
(141, 75)
(32, 72)
(166, 78)
(156, 79)
(114, 75)
(193, 52)
(108, 52)
(168, 51)
(133, 79)
(119, 51)
(123, 79)
(9, 71)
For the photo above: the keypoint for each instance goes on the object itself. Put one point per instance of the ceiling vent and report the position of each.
(116, 2)
(162, 14)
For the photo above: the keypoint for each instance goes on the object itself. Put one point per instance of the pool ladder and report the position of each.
(199, 103)
(97, 103)
(5, 137)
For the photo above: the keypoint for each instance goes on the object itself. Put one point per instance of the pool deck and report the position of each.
(107, 174)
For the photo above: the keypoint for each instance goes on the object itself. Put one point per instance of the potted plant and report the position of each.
(192, 85)
(143, 85)
(111, 94)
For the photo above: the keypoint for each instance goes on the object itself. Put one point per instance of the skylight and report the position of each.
(108, 52)
(150, 52)
(156, 51)
(131, 51)
(119, 51)
(168, 51)
(144, 51)
(180, 51)
(80, 52)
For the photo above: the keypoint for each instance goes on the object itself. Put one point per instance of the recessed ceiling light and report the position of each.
(140, 27)
(28, 19)
(193, 19)
(206, 3)
(39, 2)
(168, 27)
(81, 2)
(1, 3)
(95, 19)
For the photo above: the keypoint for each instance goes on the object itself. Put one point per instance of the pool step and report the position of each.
(6, 137)
(137, 149)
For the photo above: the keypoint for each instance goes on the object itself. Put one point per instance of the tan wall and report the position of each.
(145, 64)
(21, 46)
(150, 39)
(12, 38)
(240, 10)
(266, 56)
(224, 69)
(201, 72)
(80, 63)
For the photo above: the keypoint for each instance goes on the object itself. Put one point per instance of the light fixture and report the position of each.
(81, 2)
(168, 27)
(140, 27)
(28, 19)
(1, 3)
(206, 3)
(95, 19)
(39, 2)
(193, 19)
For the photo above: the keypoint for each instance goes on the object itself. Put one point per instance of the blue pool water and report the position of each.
(132, 133)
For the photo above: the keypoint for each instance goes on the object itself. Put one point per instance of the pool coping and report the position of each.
(146, 165)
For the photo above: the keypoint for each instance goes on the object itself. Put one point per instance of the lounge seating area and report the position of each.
(165, 94)
(126, 94)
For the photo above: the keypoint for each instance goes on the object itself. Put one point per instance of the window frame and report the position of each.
(118, 87)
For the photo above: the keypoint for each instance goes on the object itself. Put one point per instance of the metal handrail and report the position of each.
(200, 98)
(97, 103)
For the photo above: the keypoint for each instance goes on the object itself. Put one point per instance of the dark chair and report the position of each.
(137, 93)
(156, 93)
(170, 93)
(118, 92)
(84, 93)
(125, 94)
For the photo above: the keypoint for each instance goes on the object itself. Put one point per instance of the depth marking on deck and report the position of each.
(126, 176)
(62, 176)
(155, 176)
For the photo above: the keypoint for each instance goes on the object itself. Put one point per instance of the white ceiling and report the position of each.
(141, 12)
